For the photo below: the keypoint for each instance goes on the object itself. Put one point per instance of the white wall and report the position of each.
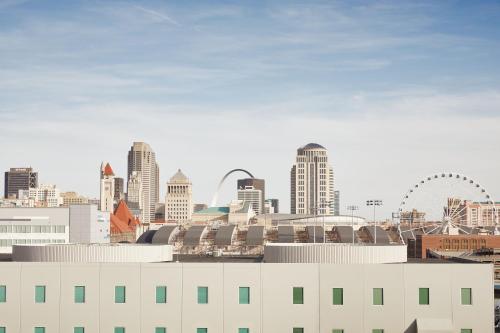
(271, 309)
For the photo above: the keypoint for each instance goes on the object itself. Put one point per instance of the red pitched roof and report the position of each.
(108, 171)
(122, 220)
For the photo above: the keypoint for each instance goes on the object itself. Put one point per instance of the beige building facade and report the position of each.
(311, 181)
(179, 198)
(255, 297)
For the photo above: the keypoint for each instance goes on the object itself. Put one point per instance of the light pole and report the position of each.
(374, 203)
(352, 209)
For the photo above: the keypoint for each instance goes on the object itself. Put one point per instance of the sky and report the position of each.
(395, 90)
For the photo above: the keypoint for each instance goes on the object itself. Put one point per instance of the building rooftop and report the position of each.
(213, 210)
(313, 146)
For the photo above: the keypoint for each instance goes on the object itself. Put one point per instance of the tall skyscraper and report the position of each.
(311, 180)
(19, 179)
(119, 190)
(142, 159)
(253, 196)
(272, 206)
(134, 191)
(179, 198)
(107, 188)
(257, 184)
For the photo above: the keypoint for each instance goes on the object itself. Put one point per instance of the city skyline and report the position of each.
(395, 91)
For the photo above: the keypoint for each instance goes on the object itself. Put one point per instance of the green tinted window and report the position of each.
(466, 330)
(378, 296)
(161, 294)
(79, 294)
(201, 330)
(119, 295)
(202, 295)
(160, 330)
(3, 295)
(244, 295)
(423, 296)
(79, 330)
(298, 295)
(39, 330)
(338, 296)
(2, 329)
(377, 330)
(119, 329)
(40, 295)
(336, 330)
(466, 296)
(243, 330)
(298, 330)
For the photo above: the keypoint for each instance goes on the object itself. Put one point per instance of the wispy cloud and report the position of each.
(156, 15)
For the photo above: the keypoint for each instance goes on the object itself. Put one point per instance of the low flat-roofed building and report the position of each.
(257, 297)
(421, 244)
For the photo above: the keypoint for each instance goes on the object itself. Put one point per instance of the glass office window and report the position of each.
(79, 330)
(378, 296)
(3, 294)
(2, 329)
(466, 296)
(79, 294)
(39, 330)
(298, 330)
(201, 330)
(338, 296)
(244, 295)
(119, 294)
(39, 294)
(337, 330)
(298, 295)
(243, 330)
(377, 330)
(466, 330)
(202, 295)
(119, 329)
(423, 296)
(161, 294)
(160, 330)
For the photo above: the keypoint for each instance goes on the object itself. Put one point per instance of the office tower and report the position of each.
(311, 180)
(43, 196)
(119, 190)
(142, 159)
(19, 179)
(336, 203)
(134, 191)
(253, 196)
(179, 198)
(107, 188)
(257, 184)
(272, 206)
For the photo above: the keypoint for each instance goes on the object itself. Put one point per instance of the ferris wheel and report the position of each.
(447, 203)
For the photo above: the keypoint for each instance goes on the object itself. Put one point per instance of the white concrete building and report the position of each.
(228, 297)
(142, 159)
(33, 226)
(88, 225)
(45, 195)
(311, 182)
(253, 196)
(134, 191)
(179, 198)
(107, 188)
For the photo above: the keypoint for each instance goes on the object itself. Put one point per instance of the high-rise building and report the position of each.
(134, 191)
(311, 180)
(336, 203)
(272, 206)
(119, 190)
(19, 179)
(142, 159)
(257, 184)
(43, 196)
(107, 188)
(179, 198)
(253, 196)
